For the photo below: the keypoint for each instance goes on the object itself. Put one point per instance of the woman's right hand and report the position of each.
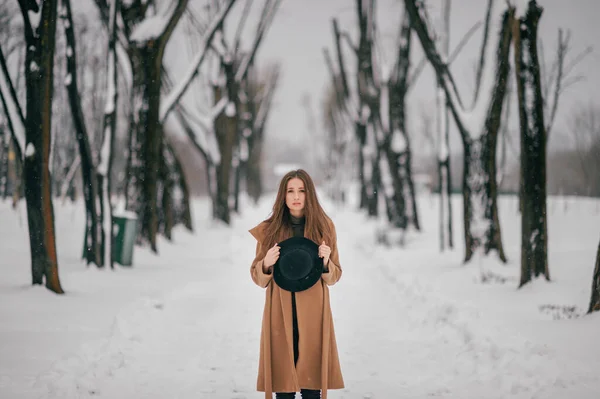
(270, 258)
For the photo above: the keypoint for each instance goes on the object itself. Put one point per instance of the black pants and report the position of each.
(305, 393)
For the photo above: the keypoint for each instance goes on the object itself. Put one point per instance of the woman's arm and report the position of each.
(332, 272)
(259, 276)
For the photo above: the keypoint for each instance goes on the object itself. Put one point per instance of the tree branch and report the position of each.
(12, 108)
(484, 43)
(265, 22)
(414, 9)
(423, 61)
(241, 25)
(175, 95)
(340, 58)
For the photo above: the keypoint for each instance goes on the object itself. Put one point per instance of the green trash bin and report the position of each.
(124, 232)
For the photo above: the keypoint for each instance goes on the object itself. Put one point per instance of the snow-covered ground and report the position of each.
(411, 323)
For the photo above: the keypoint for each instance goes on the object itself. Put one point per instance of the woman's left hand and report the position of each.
(324, 252)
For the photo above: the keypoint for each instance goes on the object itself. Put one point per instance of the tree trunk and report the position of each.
(393, 187)
(361, 133)
(146, 139)
(88, 171)
(482, 226)
(253, 174)
(444, 172)
(4, 140)
(595, 298)
(443, 126)
(226, 129)
(534, 230)
(238, 173)
(39, 67)
(399, 143)
(184, 213)
(168, 189)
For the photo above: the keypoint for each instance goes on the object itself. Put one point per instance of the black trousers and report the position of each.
(305, 393)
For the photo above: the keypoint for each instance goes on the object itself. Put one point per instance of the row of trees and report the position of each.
(140, 98)
(374, 111)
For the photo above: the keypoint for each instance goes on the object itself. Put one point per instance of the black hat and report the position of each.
(299, 266)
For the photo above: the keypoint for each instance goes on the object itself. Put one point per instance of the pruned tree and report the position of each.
(555, 80)
(40, 28)
(146, 47)
(93, 252)
(144, 44)
(534, 228)
(478, 126)
(227, 117)
(378, 117)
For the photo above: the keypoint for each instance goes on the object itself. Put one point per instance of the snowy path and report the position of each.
(396, 336)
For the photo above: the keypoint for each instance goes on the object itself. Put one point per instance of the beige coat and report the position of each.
(318, 365)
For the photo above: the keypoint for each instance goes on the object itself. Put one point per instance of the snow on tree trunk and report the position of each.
(109, 125)
(482, 226)
(368, 96)
(534, 229)
(39, 67)
(93, 252)
(400, 140)
(595, 298)
(393, 190)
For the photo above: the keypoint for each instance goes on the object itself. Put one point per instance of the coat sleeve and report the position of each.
(259, 277)
(333, 273)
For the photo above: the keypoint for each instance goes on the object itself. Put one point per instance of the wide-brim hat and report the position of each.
(299, 266)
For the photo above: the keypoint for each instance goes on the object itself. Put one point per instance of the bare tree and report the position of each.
(93, 251)
(109, 126)
(40, 29)
(585, 132)
(443, 128)
(379, 119)
(534, 230)
(478, 127)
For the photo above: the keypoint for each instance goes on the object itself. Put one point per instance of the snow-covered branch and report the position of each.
(193, 69)
(155, 26)
(10, 102)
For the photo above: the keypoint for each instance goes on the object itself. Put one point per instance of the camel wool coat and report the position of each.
(318, 364)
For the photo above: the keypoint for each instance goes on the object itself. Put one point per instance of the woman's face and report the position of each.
(295, 196)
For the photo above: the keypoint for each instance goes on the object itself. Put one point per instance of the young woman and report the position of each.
(298, 351)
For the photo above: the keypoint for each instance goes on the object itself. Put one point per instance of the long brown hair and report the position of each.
(317, 223)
